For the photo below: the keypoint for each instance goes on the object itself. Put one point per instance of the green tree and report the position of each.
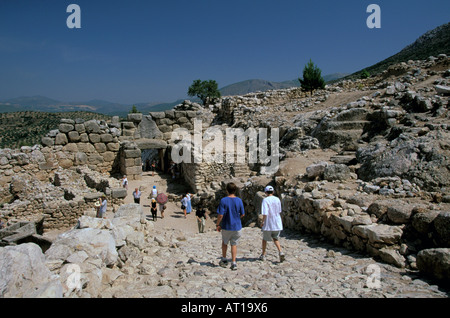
(134, 110)
(205, 90)
(365, 74)
(312, 78)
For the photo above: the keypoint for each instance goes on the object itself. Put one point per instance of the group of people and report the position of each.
(200, 213)
(231, 211)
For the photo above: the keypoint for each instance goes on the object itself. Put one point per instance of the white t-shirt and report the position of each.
(271, 206)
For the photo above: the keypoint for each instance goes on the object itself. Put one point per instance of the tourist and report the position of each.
(153, 167)
(186, 204)
(154, 192)
(162, 209)
(102, 203)
(201, 216)
(271, 224)
(154, 209)
(230, 212)
(172, 169)
(183, 205)
(137, 196)
(125, 182)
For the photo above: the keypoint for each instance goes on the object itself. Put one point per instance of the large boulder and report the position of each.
(98, 245)
(24, 273)
(442, 228)
(336, 172)
(435, 261)
(422, 160)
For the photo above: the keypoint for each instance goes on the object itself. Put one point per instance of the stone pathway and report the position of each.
(178, 262)
(173, 217)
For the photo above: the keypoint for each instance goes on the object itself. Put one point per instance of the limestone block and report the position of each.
(106, 138)
(100, 147)
(92, 126)
(128, 132)
(95, 159)
(182, 120)
(85, 147)
(132, 153)
(118, 193)
(65, 128)
(148, 128)
(113, 146)
(48, 141)
(94, 138)
(84, 137)
(133, 170)
(191, 114)
(134, 117)
(61, 139)
(170, 113)
(158, 115)
(74, 136)
(70, 147)
(81, 158)
(80, 128)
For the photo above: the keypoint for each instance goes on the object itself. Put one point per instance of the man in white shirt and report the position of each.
(271, 222)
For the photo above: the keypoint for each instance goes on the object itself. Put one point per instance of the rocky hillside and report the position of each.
(432, 43)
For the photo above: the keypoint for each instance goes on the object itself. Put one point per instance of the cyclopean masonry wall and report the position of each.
(77, 142)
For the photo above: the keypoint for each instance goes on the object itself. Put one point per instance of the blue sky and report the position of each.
(143, 50)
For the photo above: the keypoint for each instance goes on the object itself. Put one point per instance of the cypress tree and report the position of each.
(312, 78)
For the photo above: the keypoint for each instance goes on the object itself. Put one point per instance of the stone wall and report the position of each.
(58, 195)
(78, 142)
(389, 227)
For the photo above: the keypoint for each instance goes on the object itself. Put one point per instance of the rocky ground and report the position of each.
(174, 260)
(177, 264)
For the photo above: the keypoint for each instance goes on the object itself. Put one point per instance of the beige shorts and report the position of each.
(271, 235)
(231, 237)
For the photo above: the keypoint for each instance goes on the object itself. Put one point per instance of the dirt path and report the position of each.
(173, 216)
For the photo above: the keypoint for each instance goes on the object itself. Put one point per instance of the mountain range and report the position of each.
(45, 104)
(432, 43)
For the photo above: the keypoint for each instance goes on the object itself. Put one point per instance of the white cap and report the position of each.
(268, 189)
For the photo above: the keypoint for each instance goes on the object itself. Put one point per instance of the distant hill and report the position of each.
(45, 104)
(432, 43)
(49, 105)
(259, 85)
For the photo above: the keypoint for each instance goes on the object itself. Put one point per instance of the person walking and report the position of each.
(201, 216)
(272, 224)
(125, 182)
(153, 167)
(154, 209)
(154, 193)
(102, 204)
(137, 196)
(186, 204)
(162, 209)
(230, 212)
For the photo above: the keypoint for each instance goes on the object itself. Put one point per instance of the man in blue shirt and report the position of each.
(230, 212)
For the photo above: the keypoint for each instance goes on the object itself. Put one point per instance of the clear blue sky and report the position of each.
(144, 50)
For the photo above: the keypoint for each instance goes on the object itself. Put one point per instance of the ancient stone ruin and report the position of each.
(364, 165)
